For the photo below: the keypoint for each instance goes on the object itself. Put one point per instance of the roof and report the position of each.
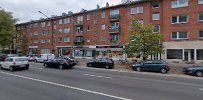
(89, 11)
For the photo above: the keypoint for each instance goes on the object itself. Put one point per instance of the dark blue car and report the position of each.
(151, 65)
(194, 70)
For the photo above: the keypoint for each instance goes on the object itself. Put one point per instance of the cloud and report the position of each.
(26, 10)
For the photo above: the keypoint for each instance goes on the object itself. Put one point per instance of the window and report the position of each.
(42, 41)
(201, 34)
(66, 39)
(174, 53)
(80, 18)
(30, 34)
(155, 5)
(88, 17)
(60, 30)
(156, 16)
(36, 25)
(45, 51)
(179, 35)
(200, 16)
(36, 33)
(156, 28)
(200, 1)
(199, 54)
(180, 19)
(114, 12)
(137, 10)
(66, 21)
(103, 27)
(115, 37)
(179, 3)
(43, 24)
(48, 23)
(66, 30)
(88, 39)
(60, 39)
(88, 28)
(141, 21)
(60, 21)
(95, 22)
(103, 14)
(35, 41)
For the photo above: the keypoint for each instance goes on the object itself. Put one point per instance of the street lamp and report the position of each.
(52, 30)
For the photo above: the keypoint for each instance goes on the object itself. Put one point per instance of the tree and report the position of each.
(143, 41)
(7, 28)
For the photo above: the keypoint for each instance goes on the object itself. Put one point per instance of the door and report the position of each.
(147, 66)
(186, 56)
(7, 63)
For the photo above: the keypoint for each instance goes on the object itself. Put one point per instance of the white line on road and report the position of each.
(66, 86)
(97, 76)
(201, 89)
(37, 68)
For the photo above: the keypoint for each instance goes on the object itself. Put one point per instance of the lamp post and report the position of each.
(52, 32)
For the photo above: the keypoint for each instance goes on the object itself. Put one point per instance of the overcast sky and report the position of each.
(26, 10)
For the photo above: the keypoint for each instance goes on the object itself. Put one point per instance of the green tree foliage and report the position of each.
(143, 41)
(7, 28)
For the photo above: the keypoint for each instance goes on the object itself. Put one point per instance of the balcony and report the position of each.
(114, 30)
(79, 34)
(78, 43)
(114, 17)
(79, 23)
(114, 42)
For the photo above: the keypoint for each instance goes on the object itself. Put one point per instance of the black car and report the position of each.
(2, 56)
(194, 70)
(101, 63)
(60, 63)
(151, 65)
(72, 59)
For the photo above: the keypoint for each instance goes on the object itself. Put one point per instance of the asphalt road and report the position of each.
(40, 83)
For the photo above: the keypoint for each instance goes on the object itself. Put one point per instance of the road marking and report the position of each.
(201, 89)
(37, 68)
(66, 86)
(97, 76)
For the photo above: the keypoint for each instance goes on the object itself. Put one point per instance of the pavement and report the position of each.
(81, 83)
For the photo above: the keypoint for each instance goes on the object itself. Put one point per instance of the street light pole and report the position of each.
(52, 32)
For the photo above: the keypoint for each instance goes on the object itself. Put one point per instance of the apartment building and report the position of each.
(102, 32)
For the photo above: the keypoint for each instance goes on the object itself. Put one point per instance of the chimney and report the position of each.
(107, 4)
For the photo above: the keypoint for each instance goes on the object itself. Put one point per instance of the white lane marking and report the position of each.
(66, 86)
(201, 89)
(37, 68)
(99, 76)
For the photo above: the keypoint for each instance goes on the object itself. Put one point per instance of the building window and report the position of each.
(103, 27)
(201, 34)
(60, 39)
(88, 28)
(114, 12)
(179, 35)
(45, 51)
(36, 33)
(48, 23)
(66, 30)
(115, 37)
(155, 5)
(60, 21)
(95, 22)
(137, 10)
(88, 17)
(114, 25)
(199, 54)
(36, 25)
(66, 21)
(180, 19)
(156, 16)
(156, 28)
(200, 16)
(43, 24)
(88, 39)
(200, 1)
(35, 41)
(103, 14)
(79, 18)
(66, 39)
(174, 53)
(179, 3)
(42, 41)
(60, 30)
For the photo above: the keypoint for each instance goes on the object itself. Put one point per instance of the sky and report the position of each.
(27, 10)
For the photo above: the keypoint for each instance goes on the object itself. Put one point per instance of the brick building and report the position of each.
(102, 32)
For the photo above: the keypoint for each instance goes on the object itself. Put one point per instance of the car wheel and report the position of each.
(163, 71)
(61, 67)
(138, 69)
(199, 74)
(11, 69)
(107, 67)
(89, 65)
(1, 67)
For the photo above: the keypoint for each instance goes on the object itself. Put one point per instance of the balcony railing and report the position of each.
(79, 33)
(114, 17)
(114, 30)
(79, 23)
(114, 42)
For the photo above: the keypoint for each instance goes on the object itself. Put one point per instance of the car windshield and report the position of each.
(21, 59)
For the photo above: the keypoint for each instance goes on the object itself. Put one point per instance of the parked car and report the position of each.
(44, 57)
(13, 63)
(60, 63)
(12, 55)
(2, 56)
(151, 65)
(72, 59)
(32, 58)
(101, 63)
(196, 70)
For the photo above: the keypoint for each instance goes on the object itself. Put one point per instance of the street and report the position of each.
(39, 83)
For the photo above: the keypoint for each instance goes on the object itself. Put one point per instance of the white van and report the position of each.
(45, 57)
(12, 63)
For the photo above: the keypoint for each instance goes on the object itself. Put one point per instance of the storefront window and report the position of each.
(199, 54)
(174, 54)
(78, 53)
